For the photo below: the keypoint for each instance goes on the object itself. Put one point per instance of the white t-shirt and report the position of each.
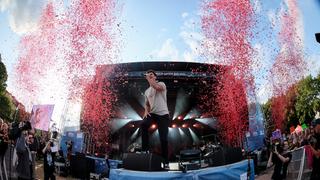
(157, 100)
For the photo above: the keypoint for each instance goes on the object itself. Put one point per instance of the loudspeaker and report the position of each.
(81, 166)
(317, 37)
(217, 158)
(225, 156)
(232, 155)
(142, 162)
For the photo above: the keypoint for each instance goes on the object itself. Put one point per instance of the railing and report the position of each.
(297, 168)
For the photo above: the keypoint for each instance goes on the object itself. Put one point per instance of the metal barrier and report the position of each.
(297, 168)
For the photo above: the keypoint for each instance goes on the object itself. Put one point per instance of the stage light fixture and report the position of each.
(184, 125)
(174, 125)
(154, 126)
(180, 117)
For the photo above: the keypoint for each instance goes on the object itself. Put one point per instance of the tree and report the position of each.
(308, 98)
(7, 108)
(6, 105)
(269, 125)
(3, 76)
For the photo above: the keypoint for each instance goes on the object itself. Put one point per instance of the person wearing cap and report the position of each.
(315, 174)
(156, 110)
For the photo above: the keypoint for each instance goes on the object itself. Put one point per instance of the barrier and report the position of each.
(231, 171)
(297, 168)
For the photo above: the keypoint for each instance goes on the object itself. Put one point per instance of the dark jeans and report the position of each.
(49, 173)
(163, 124)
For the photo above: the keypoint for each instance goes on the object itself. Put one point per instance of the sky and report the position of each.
(170, 30)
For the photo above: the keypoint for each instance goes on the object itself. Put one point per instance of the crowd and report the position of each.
(27, 149)
(281, 150)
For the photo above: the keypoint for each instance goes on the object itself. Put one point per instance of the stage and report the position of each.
(231, 171)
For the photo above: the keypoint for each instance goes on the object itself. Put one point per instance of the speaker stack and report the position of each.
(81, 166)
(142, 162)
(224, 156)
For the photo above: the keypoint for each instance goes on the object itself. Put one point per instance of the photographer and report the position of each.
(48, 160)
(33, 149)
(24, 167)
(315, 148)
(280, 157)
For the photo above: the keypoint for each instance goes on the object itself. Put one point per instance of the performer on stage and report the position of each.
(156, 110)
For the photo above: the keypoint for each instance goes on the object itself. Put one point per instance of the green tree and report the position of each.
(266, 109)
(3, 76)
(291, 112)
(7, 108)
(308, 98)
(6, 105)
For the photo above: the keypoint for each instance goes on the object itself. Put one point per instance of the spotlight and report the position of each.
(132, 125)
(194, 125)
(174, 125)
(179, 117)
(175, 81)
(153, 126)
(184, 125)
(317, 37)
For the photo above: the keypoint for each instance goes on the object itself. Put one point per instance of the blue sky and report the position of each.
(152, 25)
(167, 30)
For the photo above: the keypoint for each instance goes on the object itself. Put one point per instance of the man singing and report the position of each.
(156, 110)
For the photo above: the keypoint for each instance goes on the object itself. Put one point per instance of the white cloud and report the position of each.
(264, 92)
(257, 6)
(23, 14)
(313, 64)
(4, 4)
(184, 15)
(167, 51)
(192, 40)
(272, 17)
(191, 36)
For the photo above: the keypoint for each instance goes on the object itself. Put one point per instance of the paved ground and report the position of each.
(40, 175)
(266, 175)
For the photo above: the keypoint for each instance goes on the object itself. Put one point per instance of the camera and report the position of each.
(312, 141)
(54, 135)
(17, 128)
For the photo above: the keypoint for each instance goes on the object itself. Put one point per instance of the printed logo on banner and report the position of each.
(243, 176)
(41, 116)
